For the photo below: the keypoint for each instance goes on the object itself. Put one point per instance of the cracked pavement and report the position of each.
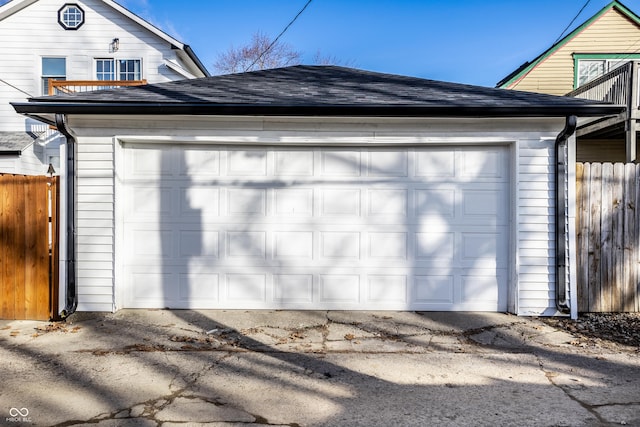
(310, 368)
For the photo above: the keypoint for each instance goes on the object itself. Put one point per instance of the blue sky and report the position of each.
(468, 41)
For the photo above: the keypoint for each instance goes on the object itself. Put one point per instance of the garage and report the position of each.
(316, 228)
(316, 188)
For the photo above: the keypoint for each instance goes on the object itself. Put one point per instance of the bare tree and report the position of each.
(260, 54)
(321, 59)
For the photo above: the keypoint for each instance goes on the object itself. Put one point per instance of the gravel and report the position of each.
(620, 331)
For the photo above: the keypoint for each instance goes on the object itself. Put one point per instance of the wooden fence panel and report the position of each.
(26, 247)
(608, 237)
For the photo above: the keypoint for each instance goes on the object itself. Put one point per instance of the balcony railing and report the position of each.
(615, 87)
(57, 87)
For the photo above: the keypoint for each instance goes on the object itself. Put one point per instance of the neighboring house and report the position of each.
(18, 155)
(607, 41)
(320, 188)
(86, 40)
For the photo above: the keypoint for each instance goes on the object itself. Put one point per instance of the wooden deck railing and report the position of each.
(614, 87)
(57, 87)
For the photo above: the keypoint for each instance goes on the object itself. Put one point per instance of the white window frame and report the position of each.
(71, 16)
(116, 71)
(604, 65)
(45, 77)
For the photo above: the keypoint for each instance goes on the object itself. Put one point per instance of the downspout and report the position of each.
(561, 212)
(72, 287)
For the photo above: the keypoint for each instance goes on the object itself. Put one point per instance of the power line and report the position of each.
(572, 21)
(264, 52)
(554, 43)
(16, 88)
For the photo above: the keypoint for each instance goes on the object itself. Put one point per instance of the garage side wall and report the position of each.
(531, 271)
(536, 230)
(95, 224)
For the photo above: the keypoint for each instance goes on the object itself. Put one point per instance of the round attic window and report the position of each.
(71, 16)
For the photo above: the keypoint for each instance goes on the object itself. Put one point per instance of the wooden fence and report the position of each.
(29, 211)
(608, 237)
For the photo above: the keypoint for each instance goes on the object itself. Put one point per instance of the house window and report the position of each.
(71, 16)
(53, 68)
(118, 69)
(589, 69)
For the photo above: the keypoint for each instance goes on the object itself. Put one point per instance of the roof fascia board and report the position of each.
(544, 55)
(13, 7)
(42, 109)
(178, 69)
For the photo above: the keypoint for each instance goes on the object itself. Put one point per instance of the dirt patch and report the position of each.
(606, 330)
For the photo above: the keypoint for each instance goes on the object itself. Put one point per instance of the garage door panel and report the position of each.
(388, 163)
(340, 246)
(293, 246)
(149, 161)
(388, 202)
(340, 163)
(246, 245)
(246, 288)
(243, 163)
(294, 163)
(485, 203)
(385, 288)
(201, 287)
(435, 246)
(149, 201)
(341, 202)
(340, 288)
(296, 202)
(247, 201)
(200, 200)
(438, 164)
(388, 245)
(434, 289)
(198, 162)
(199, 243)
(483, 163)
(321, 228)
(441, 203)
(293, 288)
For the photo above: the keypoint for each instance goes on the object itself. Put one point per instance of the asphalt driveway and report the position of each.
(232, 368)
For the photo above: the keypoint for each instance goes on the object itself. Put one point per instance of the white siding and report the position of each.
(34, 32)
(9, 164)
(536, 244)
(531, 264)
(95, 232)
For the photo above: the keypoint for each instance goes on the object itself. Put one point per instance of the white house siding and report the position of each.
(26, 163)
(536, 218)
(9, 164)
(34, 32)
(95, 224)
(531, 272)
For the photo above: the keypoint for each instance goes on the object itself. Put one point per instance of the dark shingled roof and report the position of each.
(315, 90)
(14, 142)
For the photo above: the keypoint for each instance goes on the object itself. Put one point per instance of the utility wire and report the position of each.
(16, 88)
(572, 21)
(557, 40)
(264, 52)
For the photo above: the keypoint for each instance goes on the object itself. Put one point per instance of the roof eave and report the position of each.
(46, 109)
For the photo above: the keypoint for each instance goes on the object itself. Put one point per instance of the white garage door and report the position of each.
(315, 228)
